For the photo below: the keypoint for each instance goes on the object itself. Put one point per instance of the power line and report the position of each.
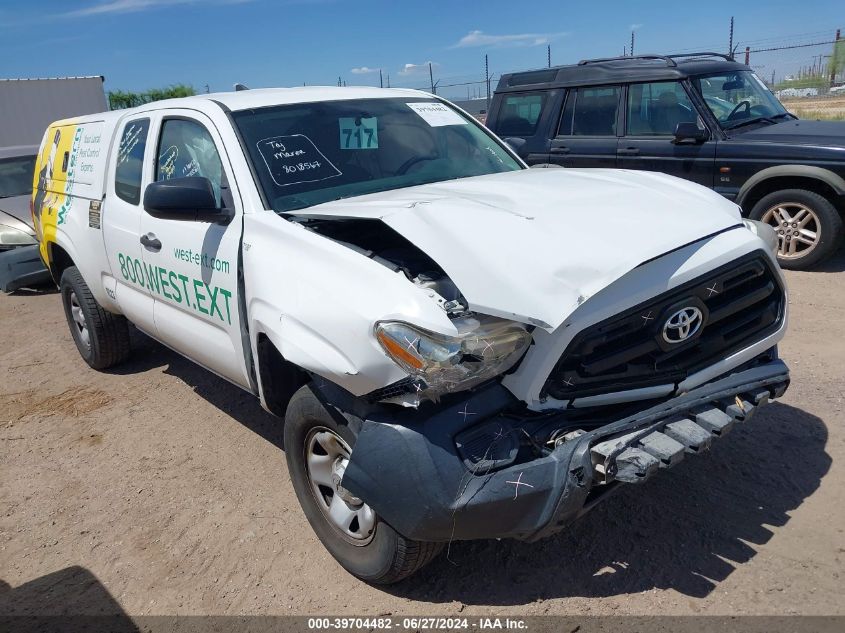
(783, 48)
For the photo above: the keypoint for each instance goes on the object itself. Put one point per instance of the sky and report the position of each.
(142, 44)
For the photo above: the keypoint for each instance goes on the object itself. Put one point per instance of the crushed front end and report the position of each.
(620, 403)
(476, 468)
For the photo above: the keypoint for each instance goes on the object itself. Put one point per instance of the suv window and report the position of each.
(590, 112)
(520, 113)
(130, 160)
(737, 97)
(655, 109)
(187, 149)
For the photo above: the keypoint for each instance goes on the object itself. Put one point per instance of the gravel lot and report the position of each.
(161, 489)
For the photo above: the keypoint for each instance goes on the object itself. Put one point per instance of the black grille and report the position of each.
(741, 303)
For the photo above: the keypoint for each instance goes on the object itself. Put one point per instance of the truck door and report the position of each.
(121, 219)
(653, 110)
(194, 264)
(587, 132)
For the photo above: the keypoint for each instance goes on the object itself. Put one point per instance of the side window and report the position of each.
(130, 160)
(185, 148)
(594, 113)
(655, 109)
(520, 113)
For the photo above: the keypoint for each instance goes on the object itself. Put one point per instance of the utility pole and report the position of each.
(206, 89)
(388, 80)
(380, 79)
(834, 59)
(487, 79)
(773, 79)
(431, 79)
(338, 81)
(624, 51)
(632, 43)
(747, 55)
(549, 54)
(731, 39)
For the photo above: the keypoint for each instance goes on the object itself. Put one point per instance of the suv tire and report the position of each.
(819, 216)
(101, 337)
(317, 447)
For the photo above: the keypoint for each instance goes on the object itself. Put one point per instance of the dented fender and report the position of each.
(323, 320)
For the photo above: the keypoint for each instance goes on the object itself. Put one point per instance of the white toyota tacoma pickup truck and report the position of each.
(456, 350)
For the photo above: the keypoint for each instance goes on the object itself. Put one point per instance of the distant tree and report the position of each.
(837, 59)
(118, 99)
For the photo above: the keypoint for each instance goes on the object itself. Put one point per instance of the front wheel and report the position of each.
(101, 337)
(318, 449)
(808, 226)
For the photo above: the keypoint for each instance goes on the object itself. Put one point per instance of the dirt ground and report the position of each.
(160, 489)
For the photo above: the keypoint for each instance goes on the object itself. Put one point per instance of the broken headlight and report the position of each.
(484, 347)
(765, 232)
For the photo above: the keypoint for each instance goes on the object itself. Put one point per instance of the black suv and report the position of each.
(700, 116)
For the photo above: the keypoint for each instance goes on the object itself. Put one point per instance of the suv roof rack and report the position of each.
(727, 58)
(669, 59)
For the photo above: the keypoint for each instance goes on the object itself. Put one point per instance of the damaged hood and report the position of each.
(532, 245)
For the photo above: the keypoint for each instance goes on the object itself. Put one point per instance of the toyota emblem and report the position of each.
(682, 325)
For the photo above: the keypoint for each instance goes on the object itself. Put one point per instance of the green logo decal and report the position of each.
(213, 301)
(71, 175)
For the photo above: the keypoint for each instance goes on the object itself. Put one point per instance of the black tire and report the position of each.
(827, 220)
(106, 342)
(387, 557)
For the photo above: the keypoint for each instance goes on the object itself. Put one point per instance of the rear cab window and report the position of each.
(130, 160)
(520, 113)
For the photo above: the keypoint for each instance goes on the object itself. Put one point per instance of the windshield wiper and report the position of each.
(744, 122)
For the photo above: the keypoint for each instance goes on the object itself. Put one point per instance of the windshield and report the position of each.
(309, 153)
(738, 97)
(16, 176)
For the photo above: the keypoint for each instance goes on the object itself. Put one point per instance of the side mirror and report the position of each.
(689, 131)
(515, 143)
(191, 199)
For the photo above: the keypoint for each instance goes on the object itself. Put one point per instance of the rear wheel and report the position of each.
(318, 449)
(808, 226)
(101, 337)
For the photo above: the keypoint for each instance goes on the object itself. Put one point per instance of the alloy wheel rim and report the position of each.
(78, 317)
(326, 459)
(797, 227)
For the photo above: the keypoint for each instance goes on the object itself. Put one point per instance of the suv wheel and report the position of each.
(317, 450)
(808, 226)
(101, 337)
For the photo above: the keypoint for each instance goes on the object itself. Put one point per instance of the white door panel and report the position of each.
(194, 264)
(121, 214)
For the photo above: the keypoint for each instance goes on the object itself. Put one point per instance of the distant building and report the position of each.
(28, 106)
(475, 107)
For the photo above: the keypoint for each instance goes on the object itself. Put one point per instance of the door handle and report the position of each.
(151, 242)
(628, 151)
(560, 150)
